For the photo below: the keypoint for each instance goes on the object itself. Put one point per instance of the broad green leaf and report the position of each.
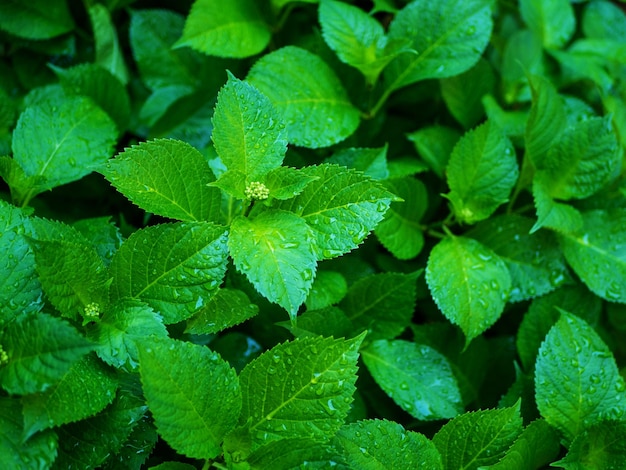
(103, 234)
(435, 144)
(550, 213)
(537, 446)
(228, 307)
(174, 268)
(41, 349)
(604, 20)
(137, 448)
(292, 453)
(62, 141)
(380, 444)
(233, 183)
(328, 288)
(233, 29)
(285, 182)
(299, 389)
(416, 377)
(577, 383)
(193, 394)
(463, 93)
(553, 20)
(155, 109)
(35, 20)
(535, 261)
(40, 450)
(523, 56)
(512, 123)
(383, 303)
(449, 37)
(481, 173)
(478, 438)
(166, 177)
(601, 446)
(341, 206)
(596, 253)
(328, 321)
(358, 39)
(371, 161)
(248, 135)
(309, 96)
(469, 283)
(86, 389)
(109, 54)
(122, 327)
(277, 252)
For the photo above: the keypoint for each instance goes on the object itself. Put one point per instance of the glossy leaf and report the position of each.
(228, 307)
(109, 55)
(371, 161)
(553, 21)
(435, 145)
(559, 216)
(604, 20)
(601, 446)
(328, 288)
(36, 20)
(285, 182)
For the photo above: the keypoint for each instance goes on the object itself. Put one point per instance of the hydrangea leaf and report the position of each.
(328, 321)
(371, 161)
(328, 288)
(577, 383)
(193, 394)
(292, 453)
(306, 92)
(36, 20)
(435, 145)
(600, 446)
(103, 234)
(109, 55)
(558, 216)
(552, 21)
(174, 268)
(604, 20)
(285, 182)
(416, 377)
(228, 307)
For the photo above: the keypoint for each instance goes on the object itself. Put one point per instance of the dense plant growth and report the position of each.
(276, 234)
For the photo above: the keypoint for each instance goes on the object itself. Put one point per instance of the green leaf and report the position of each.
(478, 438)
(228, 307)
(596, 254)
(248, 135)
(276, 251)
(537, 446)
(234, 29)
(435, 144)
(41, 349)
(328, 288)
(523, 57)
(341, 206)
(35, 20)
(604, 20)
(193, 394)
(449, 37)
(103, 234)
(553, 20)
(469, 283)
(551, 214)
(512, 123)
(109, 55)
(279, 4)
(481, 173)
(600, 446)
(380, 444)
(122, 327)
(299, 389)
(416, 377)
(358, 39)
(577, 383)
(382, 303)
(86, 389)
(328, 321)
(62, 141)
(535, 261)
(292, 453)
(285, 182)
(371, 161)
(166, 177)
(174, 268)
(137, 448)
(309, 96)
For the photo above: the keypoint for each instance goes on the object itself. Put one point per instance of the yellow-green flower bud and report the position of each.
(92, 310)
(257, 190)
(4, 357)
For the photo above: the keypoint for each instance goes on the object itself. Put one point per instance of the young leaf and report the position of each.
(596, 253)
(469, 283)
(553, 21)
(234, 29)
(478, 438)
(307, 94)
(380, 444)
(248, 135)
(328, 288)
(481, 173)
(36, 20)
(600, 446)
(299, 389)
(174, 268)
(416, 377)
(103, 234)
(577, 383)
(371, 161)
(551, 214)
(383, 304)
(109, 55)
(435, 144)
(328, 321)
(228, 307)
(41, 349)
(193, 394)
(166, 177)
(341, 206)
(285, 182)
(449, 37)
(276, 251)
(86, 389)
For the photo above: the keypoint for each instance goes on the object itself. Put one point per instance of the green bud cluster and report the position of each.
(257, 190)
(4, 357)
(92, 310)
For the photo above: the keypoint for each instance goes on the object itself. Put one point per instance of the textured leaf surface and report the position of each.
(309, 96)
(228, 307)
(276, 251)
(449, 37)
(328, 288)
(380, 444)
(416, 377)
(329, 321)
(285, 182)
(478, 438)
(469, 283)
(553, 21)
(35, 20)
(291, 453)
(299, 389)
(371, 161)
(193, 394)
(481, 173)
(597, 255)
(174, 268)
(577, 383)
(435, 144)
(233, 29)
(601, 446)
(550, 213)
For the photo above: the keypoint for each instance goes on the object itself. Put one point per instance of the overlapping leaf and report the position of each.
(109, 54)
(228, 307)
(553, 21)
(36, 20)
